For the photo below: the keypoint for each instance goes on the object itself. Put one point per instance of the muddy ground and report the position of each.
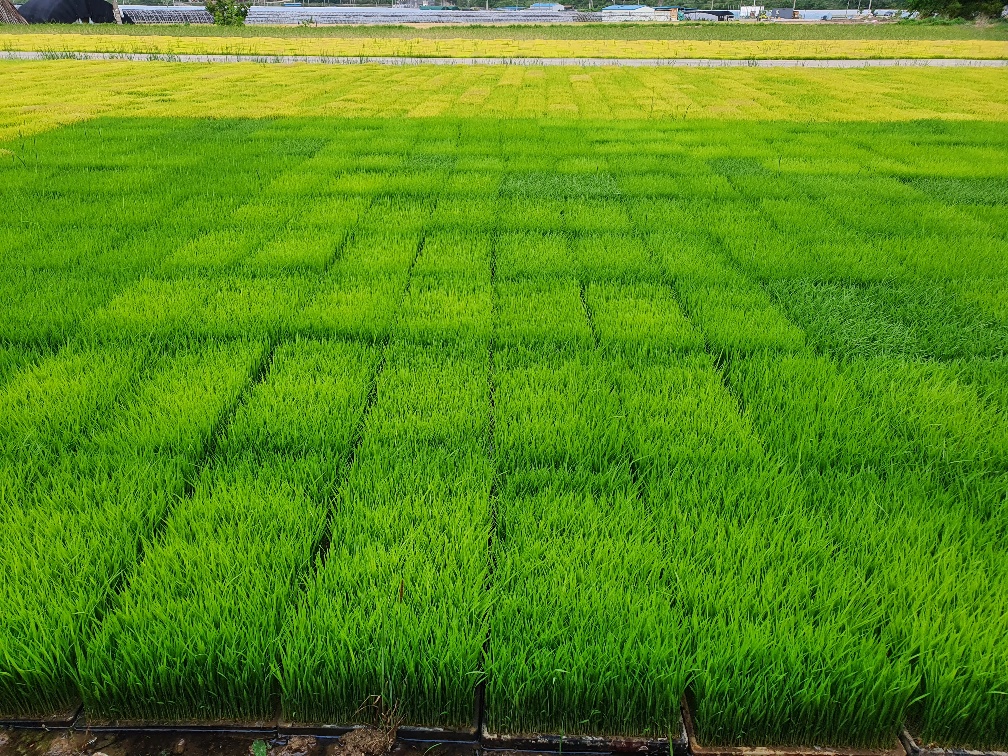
(41, 743)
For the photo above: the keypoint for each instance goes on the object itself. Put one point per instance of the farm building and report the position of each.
(667, 13)
(628, 13)
(694, 14)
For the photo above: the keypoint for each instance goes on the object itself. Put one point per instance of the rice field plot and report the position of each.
(409, 43)
(540, 421)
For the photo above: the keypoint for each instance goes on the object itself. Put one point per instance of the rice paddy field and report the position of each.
(910, 40)
(499, 47)
(407, 383)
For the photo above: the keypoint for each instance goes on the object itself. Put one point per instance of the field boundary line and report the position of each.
(29, 55)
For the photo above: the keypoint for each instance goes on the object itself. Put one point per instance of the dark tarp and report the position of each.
(67, 11)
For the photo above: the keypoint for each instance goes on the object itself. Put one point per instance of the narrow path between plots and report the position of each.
(571, 62)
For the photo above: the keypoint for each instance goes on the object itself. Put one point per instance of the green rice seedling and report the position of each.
(800, 229)
(961, 640)
(531, 255)
(212, 307)
(398, 607)
(75, 246)
(404, 213)
(778, 248)
(579, 166)
(431, 156)
(641, 319)
(588, 635)
(525, 214)
(475, 183)
(739, 318)
(994, 217)
(78, 521)
(326, 376)
(799, 650)
(917, 218)
(331, 213)
(685, 254)
(826, 187)
(916, 321)
(921, 438)
(657, 214)
(673, 407)
(388, 252)
(46, 308)
(927, 256)
(68, 227)
(13, 358)
(447, 404)
(705, 468)
(210, 244)
(989, 378)
(553, 190)
(351, 307)
(668, 158)
(585, 637)
(177, 409)
(309, 182)
(81, 530)
(944, 419)
(990, 296)
(215, 250)
(141, 253)
(268, 212)
(479, 168)
(413, 189)
(681, 180)
(885, 415)
(307, 250)
(465, 207)
(613, 257)
(680, 417)
(459, 256)
(433, 311)
(548, 312)
(207, 601)
(555, 409)
(596, 217)
(988, 191)
(358, 182)
(194, 633)
(745, 169)
(50, 406)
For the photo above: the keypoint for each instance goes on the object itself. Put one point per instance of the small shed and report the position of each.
(628, 13)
